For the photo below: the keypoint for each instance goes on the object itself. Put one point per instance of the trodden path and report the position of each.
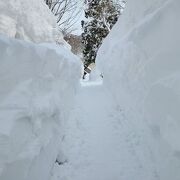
(100, 144)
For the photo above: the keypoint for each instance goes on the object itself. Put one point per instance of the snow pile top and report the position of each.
(29, 20)
(133, 13)
(140, 64)
(37, 89)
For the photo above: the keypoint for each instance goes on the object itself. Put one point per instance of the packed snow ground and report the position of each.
(102, 143)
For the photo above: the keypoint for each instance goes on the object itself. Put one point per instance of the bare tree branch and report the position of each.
(67, 13)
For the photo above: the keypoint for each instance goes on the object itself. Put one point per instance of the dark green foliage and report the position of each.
(101, 16)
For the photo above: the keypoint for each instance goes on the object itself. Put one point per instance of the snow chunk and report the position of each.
(30, 20)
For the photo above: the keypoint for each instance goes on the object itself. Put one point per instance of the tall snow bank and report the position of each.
(141, 67)
(28, 20)
(37, 87)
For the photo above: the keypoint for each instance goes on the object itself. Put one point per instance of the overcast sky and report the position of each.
(80, 18)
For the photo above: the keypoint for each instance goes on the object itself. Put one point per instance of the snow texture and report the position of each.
(29, 20)
(100, 142)
(38, 83)
(126, 128)
(141, 68)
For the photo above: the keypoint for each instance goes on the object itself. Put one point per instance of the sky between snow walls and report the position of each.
(141, 67)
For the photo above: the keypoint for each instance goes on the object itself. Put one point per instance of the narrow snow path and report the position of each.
(100, 144)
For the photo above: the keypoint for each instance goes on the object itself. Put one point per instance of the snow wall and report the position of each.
(37, 87)
(141, 67)
(29, 20)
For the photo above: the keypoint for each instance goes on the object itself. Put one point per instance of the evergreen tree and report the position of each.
(101, 16)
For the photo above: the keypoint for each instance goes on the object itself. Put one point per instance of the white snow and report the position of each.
(141, 68)
(101, 142)
(128, 128)
(37, 89)
(122, 127)
(29, 20)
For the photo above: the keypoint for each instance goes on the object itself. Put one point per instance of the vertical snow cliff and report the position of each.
(37, 87)
(142, 70)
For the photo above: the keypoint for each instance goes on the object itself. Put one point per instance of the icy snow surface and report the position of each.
(37, 87)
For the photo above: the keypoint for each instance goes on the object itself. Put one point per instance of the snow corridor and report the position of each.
(100, 144)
